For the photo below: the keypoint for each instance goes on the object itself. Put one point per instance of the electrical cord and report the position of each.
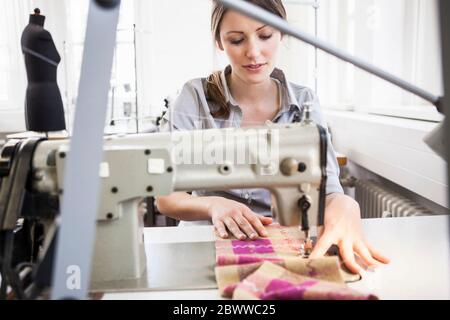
(9, 276)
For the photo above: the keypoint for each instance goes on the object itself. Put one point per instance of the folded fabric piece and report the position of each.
(326, 268)
(273, 282)
(236, 260)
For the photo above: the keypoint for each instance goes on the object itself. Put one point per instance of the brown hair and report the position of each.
(214, 89)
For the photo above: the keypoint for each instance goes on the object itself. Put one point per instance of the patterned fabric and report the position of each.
(281, 243)
(326, 268)
(273, 282)
(237, 261)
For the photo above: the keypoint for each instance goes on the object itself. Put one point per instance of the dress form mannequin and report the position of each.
(44, 110)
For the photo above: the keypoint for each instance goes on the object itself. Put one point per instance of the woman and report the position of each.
(251, 91)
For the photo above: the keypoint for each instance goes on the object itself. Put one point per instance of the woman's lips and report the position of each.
(254, 67)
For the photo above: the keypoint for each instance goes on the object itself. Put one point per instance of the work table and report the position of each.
(419, 249)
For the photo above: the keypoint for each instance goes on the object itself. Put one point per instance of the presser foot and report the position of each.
(307, 247)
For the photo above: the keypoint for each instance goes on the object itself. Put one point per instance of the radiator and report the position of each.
(377, 201)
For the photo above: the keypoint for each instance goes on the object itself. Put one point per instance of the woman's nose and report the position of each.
(253, 50)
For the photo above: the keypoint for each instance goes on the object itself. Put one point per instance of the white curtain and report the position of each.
(174, 45)
(13, 70)
(296, 58)
(400, 36)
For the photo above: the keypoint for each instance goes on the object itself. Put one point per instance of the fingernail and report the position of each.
(253, 236)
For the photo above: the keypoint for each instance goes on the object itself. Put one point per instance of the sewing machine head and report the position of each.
(287, 159)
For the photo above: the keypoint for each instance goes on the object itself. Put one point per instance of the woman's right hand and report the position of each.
(235, 217)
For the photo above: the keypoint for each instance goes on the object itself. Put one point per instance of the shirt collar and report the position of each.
(289, 99)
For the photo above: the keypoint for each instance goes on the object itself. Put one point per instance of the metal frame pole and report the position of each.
(81, 190)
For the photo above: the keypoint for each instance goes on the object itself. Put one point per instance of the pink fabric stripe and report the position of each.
(253, 259)
(242, 259)
(228, 291)
(280, 289)
(255, 246)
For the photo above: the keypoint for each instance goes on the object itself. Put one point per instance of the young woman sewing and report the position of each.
(251, 91)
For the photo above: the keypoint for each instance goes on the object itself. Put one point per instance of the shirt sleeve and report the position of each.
(333, 183)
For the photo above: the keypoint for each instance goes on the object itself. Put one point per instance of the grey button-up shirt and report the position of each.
(192, 111)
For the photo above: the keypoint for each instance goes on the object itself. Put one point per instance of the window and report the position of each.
(298, 59)
(400, 36)
(174, 45)
(122, 106)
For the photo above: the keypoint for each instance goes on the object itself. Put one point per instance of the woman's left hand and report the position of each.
(343, 228)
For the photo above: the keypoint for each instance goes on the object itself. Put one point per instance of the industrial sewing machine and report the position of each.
(289, 160)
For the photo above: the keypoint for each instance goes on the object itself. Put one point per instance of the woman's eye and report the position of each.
(236, 42)
(265, 37)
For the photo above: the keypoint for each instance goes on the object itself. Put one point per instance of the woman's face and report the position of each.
(250, 45)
